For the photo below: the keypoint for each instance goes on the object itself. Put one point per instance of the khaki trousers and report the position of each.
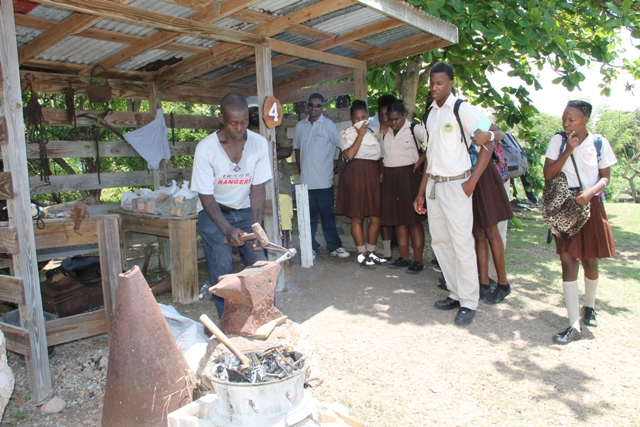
(451, 227)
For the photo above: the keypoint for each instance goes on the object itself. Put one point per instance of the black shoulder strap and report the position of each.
(573, 160)
(456, 112)
(415, 141)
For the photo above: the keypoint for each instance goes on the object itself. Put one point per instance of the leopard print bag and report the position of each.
(564, 216)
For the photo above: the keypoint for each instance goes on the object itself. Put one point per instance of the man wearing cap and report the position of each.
(254, 114)
(315, 142)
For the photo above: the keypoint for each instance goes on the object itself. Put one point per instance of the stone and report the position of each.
(288, 334)
(248, 298)
(54, 406)
(6, 377)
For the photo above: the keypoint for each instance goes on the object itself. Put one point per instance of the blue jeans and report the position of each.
(321, 202)
(219, 255)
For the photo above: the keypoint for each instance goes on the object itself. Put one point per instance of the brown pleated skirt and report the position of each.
(490, 201)
(595, 238)
(359, 189)
(399, 189)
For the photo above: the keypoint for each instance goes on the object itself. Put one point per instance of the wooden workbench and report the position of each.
(181, 232)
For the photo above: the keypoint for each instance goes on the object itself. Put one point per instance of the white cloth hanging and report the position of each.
(151, 141)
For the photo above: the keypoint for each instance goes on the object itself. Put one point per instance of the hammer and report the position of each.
(258, 234)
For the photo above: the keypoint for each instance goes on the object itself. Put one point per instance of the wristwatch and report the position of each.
(492, 137)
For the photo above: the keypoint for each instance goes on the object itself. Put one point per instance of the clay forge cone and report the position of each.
(148, 377)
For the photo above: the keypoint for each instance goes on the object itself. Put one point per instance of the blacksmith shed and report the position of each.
(192, 51)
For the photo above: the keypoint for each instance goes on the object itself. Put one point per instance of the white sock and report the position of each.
(572, 302)
(590, 287)
(371, 248)
(360, 249)
(387, 248)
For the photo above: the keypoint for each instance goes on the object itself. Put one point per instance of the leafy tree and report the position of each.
(521, 36)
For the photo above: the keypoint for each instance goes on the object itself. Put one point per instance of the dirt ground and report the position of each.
(395, 360)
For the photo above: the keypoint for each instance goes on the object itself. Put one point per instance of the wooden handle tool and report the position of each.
(244, 360)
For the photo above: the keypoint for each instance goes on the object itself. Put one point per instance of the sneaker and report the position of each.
(589, 316)
(400, 263)
(566, 336)
(365, 261)
(377, 259)
(415, 267)
(340, 252)
(313, 254)
(437, 268)
(498, 295)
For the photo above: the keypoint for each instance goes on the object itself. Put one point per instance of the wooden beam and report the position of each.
(72, 328)
(72, 25)
(11, 289)
(162, 38)
(17, 339)
(310, 77)
(310, 12)
(360, 83)
(299, 95)
(6, 186)
(15, 161)
(103, 35)
(109, 244)
(316, 55)
(360, 33)
(107, 9)
(415, 17)
(9, 240)
(89, 181)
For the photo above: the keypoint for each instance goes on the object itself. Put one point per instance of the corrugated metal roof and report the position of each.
(296, 6)
(163, 7)
(343, 51)
(234, 24)
(124, 27)
(294, 39)
(197, 41)
(391, 36)
(80, 50)
(225, 70)
(149, 56)
(307, 63)
(48, 12)
(276, 73)
(272, 6)
(346, 20)
(25, 35)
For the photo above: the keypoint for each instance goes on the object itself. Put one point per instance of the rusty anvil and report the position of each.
(249, 294)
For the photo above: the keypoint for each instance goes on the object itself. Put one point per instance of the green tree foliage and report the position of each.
(521, 37)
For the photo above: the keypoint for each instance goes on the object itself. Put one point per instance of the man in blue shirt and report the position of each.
(315, 142)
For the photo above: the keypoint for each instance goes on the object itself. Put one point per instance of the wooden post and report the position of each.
(184, 271)
(110, 262)
(360, 82)
(304, 225)
(159, 180)
(14, 155)
(265, 88)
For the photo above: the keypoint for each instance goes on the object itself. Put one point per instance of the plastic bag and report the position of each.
(188, 333)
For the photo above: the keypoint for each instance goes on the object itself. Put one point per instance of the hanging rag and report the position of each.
(151, 141)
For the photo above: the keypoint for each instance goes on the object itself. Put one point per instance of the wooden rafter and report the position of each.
(72, 25)
(164, 37)
(223, 53)
(134, 15)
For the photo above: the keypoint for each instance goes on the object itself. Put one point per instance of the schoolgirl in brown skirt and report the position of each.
(491, 206)
(591, 172)
(359, 185)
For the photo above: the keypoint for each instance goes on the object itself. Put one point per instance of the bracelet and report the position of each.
(492, 137)
(603, 182)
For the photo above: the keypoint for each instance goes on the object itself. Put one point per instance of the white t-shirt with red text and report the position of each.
(230, 183)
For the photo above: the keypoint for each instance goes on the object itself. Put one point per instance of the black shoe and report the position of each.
(447, 304)
(442, 284)
(435, 262)
(498, 295)
(415, 267)
(388, 258)
(568, 335)
(589, 316)
(465, 316)
(400, 263)
(485, 291)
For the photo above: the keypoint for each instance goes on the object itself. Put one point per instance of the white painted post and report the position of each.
(304, 225)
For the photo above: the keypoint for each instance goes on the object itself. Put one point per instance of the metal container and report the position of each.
(278, 403)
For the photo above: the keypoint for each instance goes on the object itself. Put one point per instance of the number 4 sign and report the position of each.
(272, 112)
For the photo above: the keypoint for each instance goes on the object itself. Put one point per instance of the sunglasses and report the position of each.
(312, 105)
